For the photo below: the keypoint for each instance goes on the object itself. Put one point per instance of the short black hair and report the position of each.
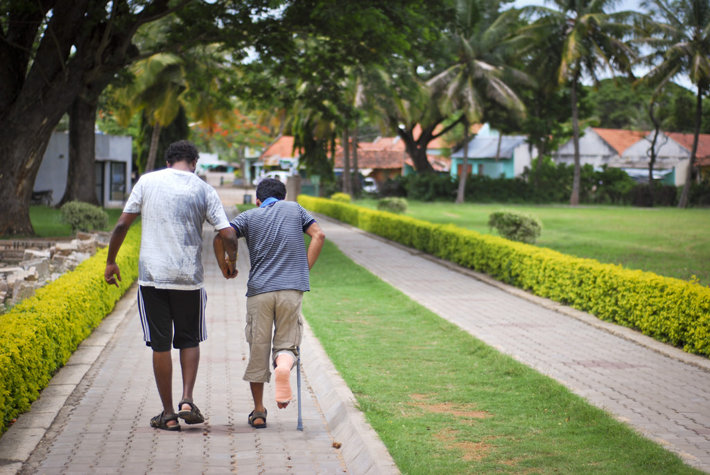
(182, 150)
(270, 188)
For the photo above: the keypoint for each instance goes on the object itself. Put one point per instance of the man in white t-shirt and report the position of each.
(173, 204)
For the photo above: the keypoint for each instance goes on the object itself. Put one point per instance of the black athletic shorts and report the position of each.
(171, 316)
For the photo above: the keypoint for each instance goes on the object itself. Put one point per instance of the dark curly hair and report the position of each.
(270, 188)
(182, 150)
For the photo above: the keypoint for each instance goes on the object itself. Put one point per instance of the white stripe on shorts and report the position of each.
(203, 320)
(143, 317)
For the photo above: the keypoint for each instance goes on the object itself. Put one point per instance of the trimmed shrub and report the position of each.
(84, 216)
(341, 197)
(671, 310)
(393, 205)
(38, 335)
(515, 226)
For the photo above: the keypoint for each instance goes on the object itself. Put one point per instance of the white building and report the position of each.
(113, 169)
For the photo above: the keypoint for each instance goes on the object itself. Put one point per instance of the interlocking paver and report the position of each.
(666, 398)
(98, 419)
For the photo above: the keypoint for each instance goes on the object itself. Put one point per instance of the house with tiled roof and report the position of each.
(598, 146)
(280, 155)
(385, 158)
(630, 151)
(494, 155)
(702, 155)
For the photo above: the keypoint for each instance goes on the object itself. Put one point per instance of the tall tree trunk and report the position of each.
(153, 151)
(416, 149)
(81, 177)
(347, 182)
(652, 151)
(461, 192)
(22, 150)
(24, 135)
(356, 168)
(685, 195)
(574, 198)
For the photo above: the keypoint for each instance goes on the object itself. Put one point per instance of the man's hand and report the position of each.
(228, 268)
(112, 273)
(225, 243)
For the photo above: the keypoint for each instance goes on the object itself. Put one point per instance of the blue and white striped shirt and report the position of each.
(277, 253)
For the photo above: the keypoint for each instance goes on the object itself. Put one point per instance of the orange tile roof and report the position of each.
(620, 139)
(386, 154)
(686, 140)
(282, 148)
(382, 159)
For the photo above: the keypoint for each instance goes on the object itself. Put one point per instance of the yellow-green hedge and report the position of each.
(671, 310)
(38, 335)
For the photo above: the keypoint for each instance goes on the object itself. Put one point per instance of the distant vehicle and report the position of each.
(279, 175)
(369, 185)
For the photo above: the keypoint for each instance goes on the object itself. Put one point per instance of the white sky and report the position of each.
(623, 4)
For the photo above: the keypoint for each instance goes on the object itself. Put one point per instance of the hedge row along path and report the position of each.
(661, 391)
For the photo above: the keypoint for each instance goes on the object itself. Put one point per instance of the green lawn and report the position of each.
(47, 221)
(667, 241)
(444, 402)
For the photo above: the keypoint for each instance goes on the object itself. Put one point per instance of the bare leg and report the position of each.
(189, 362)
(257, 393)
(163, 371)
(284, 363)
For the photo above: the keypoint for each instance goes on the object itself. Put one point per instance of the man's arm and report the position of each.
(225, 251)
(317, 240)
(112, 272)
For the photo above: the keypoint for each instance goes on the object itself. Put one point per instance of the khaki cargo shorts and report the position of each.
(279, 311)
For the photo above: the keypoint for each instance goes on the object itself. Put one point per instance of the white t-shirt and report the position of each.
(173, 205)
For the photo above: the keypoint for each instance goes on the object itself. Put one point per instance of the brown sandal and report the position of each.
(161, 422)
(257, 415)
(193, 416)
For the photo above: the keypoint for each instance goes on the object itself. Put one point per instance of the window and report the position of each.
(118, 181)
(99, 173)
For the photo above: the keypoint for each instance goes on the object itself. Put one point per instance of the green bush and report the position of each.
(84, 216)
(515, 226)
(38, 335)
(670, 310)
(393, 205)
(341, 197)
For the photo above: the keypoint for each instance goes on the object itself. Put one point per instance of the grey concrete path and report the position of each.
(94, 416)
(659, 390)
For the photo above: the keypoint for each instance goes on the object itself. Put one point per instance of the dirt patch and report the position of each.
(472, 451)
(466, 411)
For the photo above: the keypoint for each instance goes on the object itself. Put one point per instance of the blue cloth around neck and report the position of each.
(268, 201)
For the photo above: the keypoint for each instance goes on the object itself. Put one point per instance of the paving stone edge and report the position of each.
(362, 449)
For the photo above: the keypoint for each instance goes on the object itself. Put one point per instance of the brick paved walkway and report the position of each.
(665, 397)
(103, 409)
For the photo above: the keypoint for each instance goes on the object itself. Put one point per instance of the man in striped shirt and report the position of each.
(280, 264)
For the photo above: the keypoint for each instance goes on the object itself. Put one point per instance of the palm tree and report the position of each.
(681, 35)
(592, 40)
(165, 83)
(156, 89)
(477, 75)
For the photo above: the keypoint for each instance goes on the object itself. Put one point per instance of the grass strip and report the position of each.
(444, 402)
(667, 241)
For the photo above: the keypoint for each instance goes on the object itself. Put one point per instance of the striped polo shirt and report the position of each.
(277, 253)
